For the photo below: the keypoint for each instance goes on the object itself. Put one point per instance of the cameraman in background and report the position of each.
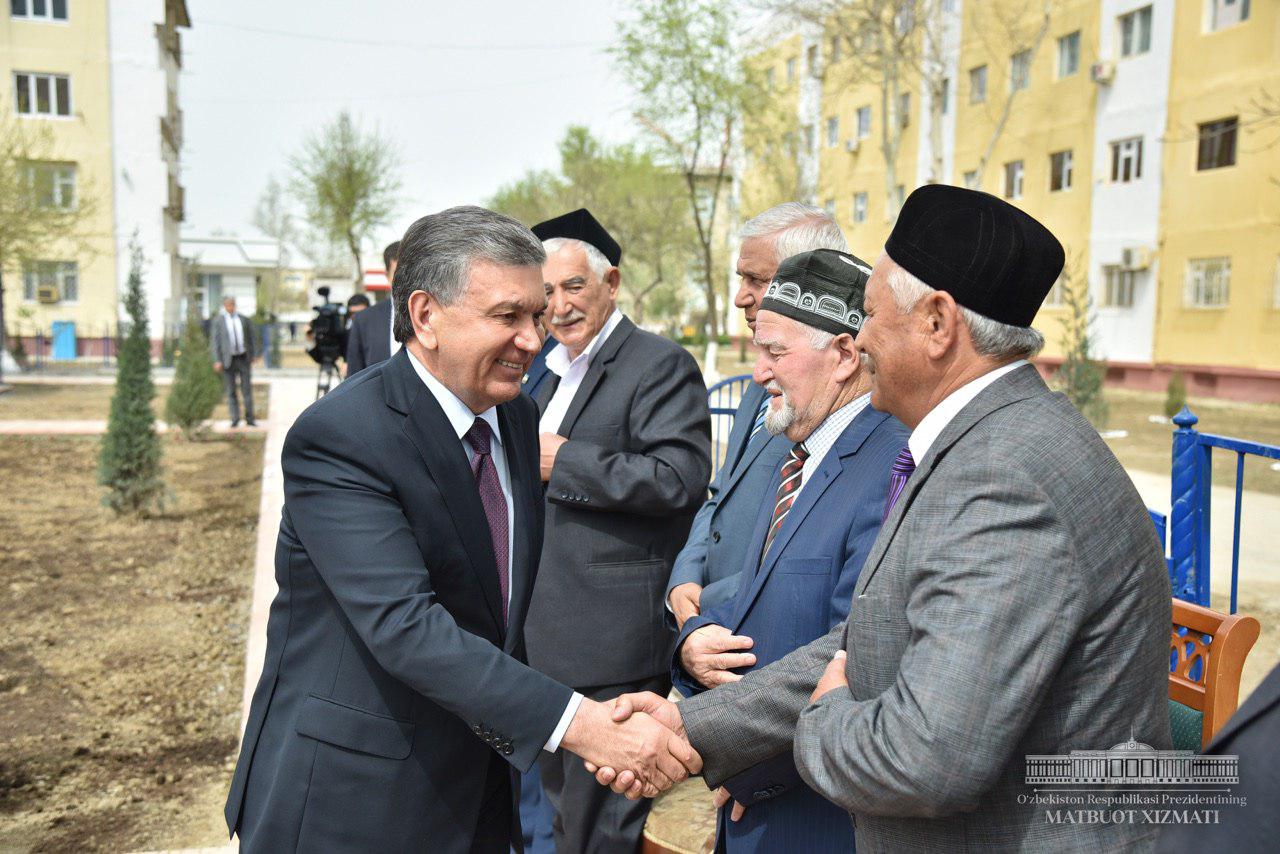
(327, 333)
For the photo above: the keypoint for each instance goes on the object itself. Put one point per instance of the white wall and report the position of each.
(1128, 214)
(950, 55)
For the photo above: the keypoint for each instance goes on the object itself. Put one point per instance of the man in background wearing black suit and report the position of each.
(370, 338)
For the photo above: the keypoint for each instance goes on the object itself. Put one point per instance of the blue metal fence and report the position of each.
(723, 399)
(1191, 499)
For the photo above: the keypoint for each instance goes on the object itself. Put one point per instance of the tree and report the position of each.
(348, 183)
(129, 460)
(1080, 377)
(32, 213)
(196, 387)
(273, 218)
(679, 56)
(637, 198)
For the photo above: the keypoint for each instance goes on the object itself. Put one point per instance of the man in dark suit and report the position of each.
(394, 704)
(810, 537)
(706, 570)
(1253, 735)
(370, 339)
(625, 453)
(232, 344)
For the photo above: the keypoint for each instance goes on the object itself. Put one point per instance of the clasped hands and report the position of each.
(644, 737)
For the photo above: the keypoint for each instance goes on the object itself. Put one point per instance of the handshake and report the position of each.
(634, 744)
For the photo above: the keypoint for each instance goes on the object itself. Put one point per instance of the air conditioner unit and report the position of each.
(1135, 258)
(47, 294)
(852, 145)
(1102, 72)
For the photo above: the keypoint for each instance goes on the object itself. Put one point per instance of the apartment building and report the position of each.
(103, 77)
(1144, 133)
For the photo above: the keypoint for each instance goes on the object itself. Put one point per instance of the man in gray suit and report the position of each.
(1015, 601)
(706, 570)
(625, 448)
(231, 340)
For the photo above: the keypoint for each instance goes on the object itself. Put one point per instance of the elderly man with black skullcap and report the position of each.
(1015, 602)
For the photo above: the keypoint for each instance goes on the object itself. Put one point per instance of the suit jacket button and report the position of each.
(715, 536)
(508, 750)
(477, 729)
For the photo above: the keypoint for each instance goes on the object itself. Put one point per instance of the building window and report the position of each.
(50, 281)
(1135, 32)
(1126, 160)
(769, 78)
(1020, 71)
(1060, 163)
(946, 95)
(830, 207)
(1119, 286)
(904, 109)
(1069, 54)
(949, 7)
(864, 122)
(1208, 282)
(971, 179)
(791, 70)
(859, 207)
(40, 10)
(978, 84)
(42, 94)
(1013, 180)
(54, 184)
(1217, 144)
(1057, 294)
(835, 49)
(1227, 13)
(833, 131)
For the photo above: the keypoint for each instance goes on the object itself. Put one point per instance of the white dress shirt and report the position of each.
(932, 425)
(235, 332)
(461, 418)
(822, 439)
(571, 374)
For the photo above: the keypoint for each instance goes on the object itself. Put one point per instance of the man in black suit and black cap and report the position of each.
(624, 434)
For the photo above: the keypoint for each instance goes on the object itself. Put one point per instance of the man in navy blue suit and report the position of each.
(811, 536)
(395, 704)
(706, 570)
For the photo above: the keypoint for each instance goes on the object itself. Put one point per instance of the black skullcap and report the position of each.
(993, 258)
(823, 288)
(581, 225)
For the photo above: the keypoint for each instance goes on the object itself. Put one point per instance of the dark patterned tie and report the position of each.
(792, 474)
(480, 437)
(903, 465)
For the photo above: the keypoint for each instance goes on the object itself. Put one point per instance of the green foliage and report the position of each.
(347, 181)
(197, 388)
(636, 198)
(168, 350)
(129, 460)
(1175, 395)
(1081, 376)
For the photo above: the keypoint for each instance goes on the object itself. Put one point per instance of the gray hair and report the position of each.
(596, 261)
(437, 252)
(796, 228)
(991, 338)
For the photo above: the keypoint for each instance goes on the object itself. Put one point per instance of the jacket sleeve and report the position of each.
(993, 606)
(250, 338)
(671, 426)
(357, 537)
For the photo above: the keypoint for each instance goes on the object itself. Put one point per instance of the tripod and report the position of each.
(324, 379)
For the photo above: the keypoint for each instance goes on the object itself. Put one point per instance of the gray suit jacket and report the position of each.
(220, 341)
(621, 497)
(1015, 602)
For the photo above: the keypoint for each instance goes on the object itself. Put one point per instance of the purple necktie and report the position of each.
(903, 465)
(480, 436)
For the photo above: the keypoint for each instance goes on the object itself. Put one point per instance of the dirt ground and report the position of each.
(121, 647)
(72, 402)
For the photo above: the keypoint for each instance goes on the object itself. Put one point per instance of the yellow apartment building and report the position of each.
(1144, 133)
(103, 78)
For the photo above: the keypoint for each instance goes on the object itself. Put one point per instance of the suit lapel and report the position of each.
(596, 373)
(1017, 385)
(523, 496)
(447, 463)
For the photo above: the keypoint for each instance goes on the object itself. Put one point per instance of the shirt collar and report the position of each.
(932, 425)
(826, 433)
(460, 416)
(558, 361)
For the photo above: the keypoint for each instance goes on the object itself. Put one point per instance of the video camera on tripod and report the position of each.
(329, 339)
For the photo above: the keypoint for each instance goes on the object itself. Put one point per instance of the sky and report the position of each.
(472, 94)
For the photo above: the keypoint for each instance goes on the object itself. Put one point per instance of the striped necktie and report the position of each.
(792, 474)
(903, 465)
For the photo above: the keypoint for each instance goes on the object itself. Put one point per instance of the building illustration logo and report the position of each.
(1131, 763)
